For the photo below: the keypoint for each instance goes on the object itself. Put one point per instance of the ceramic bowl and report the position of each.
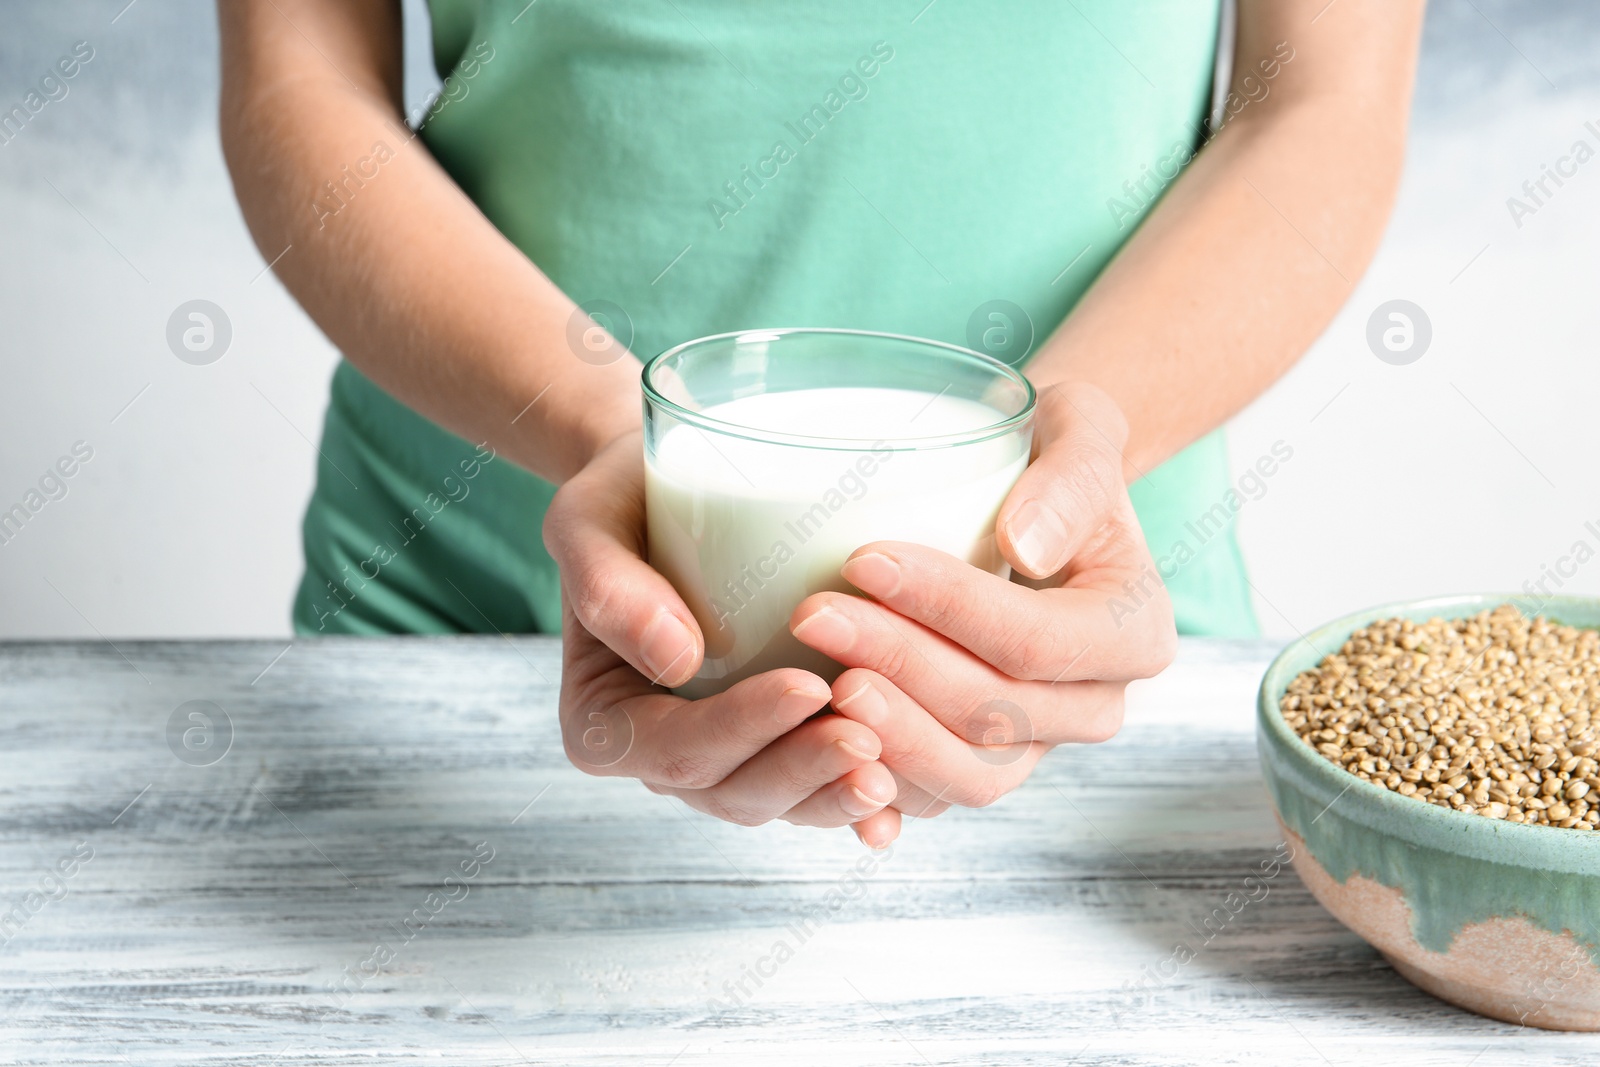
(1500, 918)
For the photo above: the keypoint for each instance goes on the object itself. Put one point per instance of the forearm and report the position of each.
(406, 277)
(1245, 259)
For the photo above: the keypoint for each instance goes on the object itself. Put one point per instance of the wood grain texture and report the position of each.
(230, 913)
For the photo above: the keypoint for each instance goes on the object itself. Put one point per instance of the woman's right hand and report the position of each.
(748, 755)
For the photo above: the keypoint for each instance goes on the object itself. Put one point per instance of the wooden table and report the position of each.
(412, 794)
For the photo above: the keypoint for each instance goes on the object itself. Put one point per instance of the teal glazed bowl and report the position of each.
(1500, 918)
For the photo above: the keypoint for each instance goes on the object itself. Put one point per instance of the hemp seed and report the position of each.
(1488, 715)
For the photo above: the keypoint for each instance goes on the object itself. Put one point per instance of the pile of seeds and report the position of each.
(1487, 715)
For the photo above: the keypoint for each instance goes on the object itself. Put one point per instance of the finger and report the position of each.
(1067, 494)
(594, 530)
(915, 802)
(1066, 633)
(789, 770)
(919, 749)
(880, 830)
(610, 727)
(966, 695)
(857, 795)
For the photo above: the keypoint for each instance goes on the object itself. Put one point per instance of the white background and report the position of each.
(1470, 469)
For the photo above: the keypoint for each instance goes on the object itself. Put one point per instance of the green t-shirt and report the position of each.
(708, 166)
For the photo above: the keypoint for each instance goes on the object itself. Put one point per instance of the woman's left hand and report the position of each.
(968, 678)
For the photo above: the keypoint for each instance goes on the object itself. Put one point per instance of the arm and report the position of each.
(410, 281)
(422, 293)
(967, 679)
(1259, 241)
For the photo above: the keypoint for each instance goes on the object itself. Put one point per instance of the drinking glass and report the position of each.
(772, 455)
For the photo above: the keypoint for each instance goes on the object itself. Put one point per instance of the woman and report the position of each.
(687, 167)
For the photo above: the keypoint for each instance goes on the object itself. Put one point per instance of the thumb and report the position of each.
(1073, 487)
(594, 530)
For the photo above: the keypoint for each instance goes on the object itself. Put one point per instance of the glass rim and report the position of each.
(1005, 425)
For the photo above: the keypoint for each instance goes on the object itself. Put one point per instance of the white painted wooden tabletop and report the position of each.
(233, 913)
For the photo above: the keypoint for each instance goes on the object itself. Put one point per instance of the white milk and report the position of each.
(745, 529)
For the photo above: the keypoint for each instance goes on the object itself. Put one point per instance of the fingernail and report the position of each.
(858, 804)
(873, 573)
(827, 631)
(879, 840)
(856, 753)
(663, 647)
(866, 705)
(1038, 537)
(795, 704)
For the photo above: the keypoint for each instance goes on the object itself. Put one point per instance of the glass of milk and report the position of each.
(772, 455)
